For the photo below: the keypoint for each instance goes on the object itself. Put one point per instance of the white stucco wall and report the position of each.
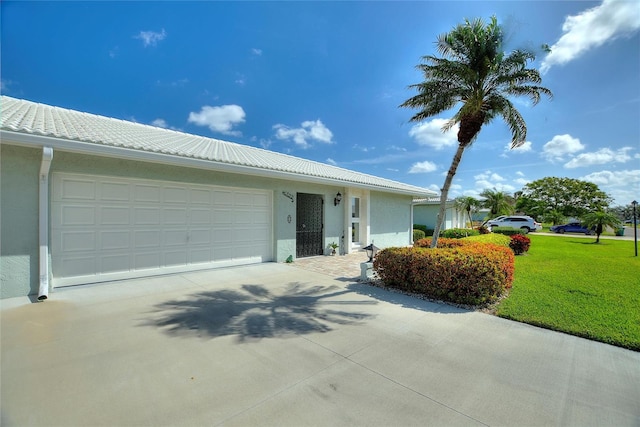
(390, 220)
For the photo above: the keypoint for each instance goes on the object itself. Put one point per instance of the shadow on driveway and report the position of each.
(254, 312)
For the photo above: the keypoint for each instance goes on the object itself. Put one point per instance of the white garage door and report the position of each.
(107, 228)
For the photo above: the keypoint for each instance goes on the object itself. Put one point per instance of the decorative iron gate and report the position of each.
(309, 226)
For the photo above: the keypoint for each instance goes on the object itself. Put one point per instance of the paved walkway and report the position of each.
(342, 267)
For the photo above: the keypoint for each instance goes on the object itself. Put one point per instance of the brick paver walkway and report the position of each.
(338, 266)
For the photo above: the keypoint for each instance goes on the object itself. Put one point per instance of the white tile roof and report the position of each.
(26, 117)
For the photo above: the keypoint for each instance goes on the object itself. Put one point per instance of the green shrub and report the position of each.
(519, 244)
(469, 273)
(427, 231)
(417, 235)
(458, 233)
(508, 231)
(496, 239)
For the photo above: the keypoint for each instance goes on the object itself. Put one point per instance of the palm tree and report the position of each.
(468, 204)
(476, 72)
(600, 220)
(498, 202)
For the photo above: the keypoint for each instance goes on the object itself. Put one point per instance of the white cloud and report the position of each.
(521, 181)
(151, 38)
(256, 51)
(220, 119)
(560, 146)
(308, 131)
(430, 133)
(161, 123)
(600, 157)
(593, 28)
(621, 185)
(491, 180)
(520, 173)
(488, 175)
(423, 167)
(331, 161)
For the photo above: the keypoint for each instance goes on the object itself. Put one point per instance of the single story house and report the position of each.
(425, 212)
(87, 199)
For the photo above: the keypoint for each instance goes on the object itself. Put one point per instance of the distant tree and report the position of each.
(600, 219)
(623, 212)
(498, 202)
(571, 197)
(554, 217)
(467, 204)
(476, 72)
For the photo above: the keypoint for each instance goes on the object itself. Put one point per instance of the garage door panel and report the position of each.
(77, 215)
(114, 215)
(175, 195)
(222, 198)
(201, 197)
(106, 228)
(174, 216)
(175, 257)
(78, 241)
(146, 261)
(115, 191)
(147, 215)
(200, 216)
(114, 263)
(174, 237)
(200, 236)
(147, 239)
(116, 239)
(79, 266)
(147, 193)
(77, 189)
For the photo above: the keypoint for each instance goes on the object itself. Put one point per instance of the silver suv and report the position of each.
(525, 223)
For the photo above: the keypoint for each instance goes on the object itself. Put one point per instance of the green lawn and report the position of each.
(572, 285)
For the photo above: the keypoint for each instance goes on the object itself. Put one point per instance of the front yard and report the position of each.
(578, 287)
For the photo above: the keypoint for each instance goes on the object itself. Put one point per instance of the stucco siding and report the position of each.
(390, 220)
(19, 168)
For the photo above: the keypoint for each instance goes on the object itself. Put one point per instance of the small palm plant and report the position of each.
(600, 220)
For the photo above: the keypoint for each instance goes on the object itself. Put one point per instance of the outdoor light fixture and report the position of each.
(337, 199)
(371, 251)
(635, 226)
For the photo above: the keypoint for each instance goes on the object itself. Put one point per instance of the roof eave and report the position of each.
(80, 147)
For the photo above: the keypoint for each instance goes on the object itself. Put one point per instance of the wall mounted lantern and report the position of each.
(337, 199)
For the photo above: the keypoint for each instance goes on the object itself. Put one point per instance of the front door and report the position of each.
(309, 228)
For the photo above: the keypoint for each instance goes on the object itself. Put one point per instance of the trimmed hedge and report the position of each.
(417, 235)
(459, 233)
(458, 271)
(496, 239)
(508, 231)
(427, 231)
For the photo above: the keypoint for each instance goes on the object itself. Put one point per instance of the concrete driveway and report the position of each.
(273, 344)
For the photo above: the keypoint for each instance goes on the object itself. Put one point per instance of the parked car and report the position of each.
(522, 222)
(572, 227)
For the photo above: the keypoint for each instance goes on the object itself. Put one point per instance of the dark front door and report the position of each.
(309, 225)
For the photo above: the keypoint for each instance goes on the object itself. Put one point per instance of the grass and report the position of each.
(572, 285)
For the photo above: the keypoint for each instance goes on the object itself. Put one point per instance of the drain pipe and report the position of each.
(43, 229)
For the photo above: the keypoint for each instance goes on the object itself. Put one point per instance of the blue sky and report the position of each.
(324, 81)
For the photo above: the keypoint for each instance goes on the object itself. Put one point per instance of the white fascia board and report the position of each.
(96, 149)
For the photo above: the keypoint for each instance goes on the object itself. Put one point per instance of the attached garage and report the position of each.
(106, 228)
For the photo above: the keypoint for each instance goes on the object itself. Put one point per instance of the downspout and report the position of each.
(43, 229)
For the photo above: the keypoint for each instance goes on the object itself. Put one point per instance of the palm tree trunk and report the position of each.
(445, 192)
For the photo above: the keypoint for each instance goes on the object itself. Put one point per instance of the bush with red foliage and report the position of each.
(461, 272)
(519, 244)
